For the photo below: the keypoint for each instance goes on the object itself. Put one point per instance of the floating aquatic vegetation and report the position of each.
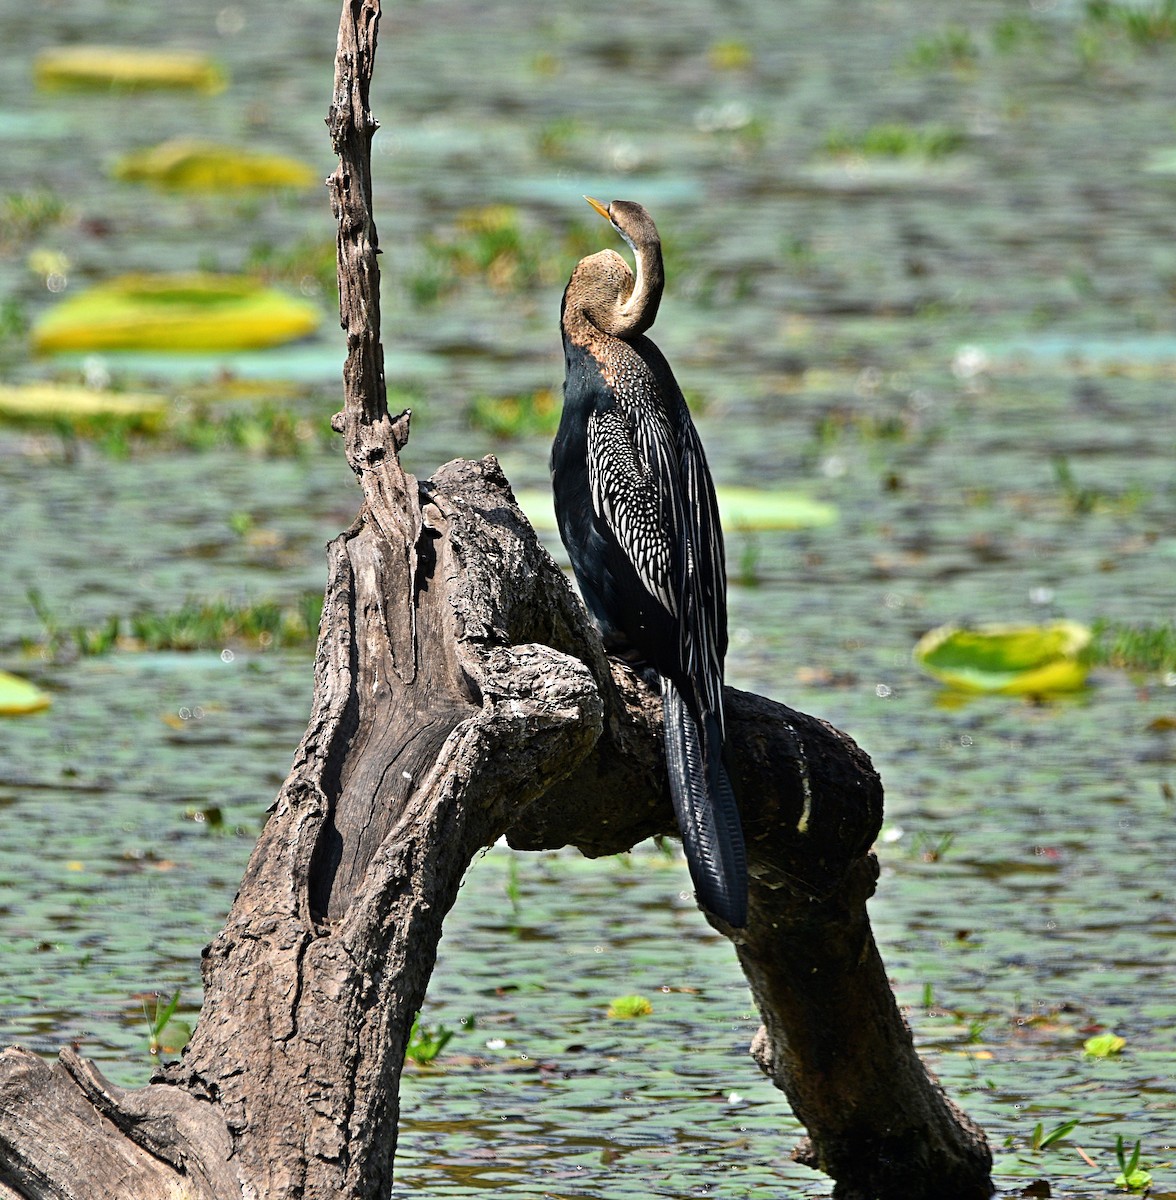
(750, 508)
(745, 509)
(514, 416)
(730, 54)
(18, 696)
(1103, 1045)
(1132, 1177)
(23, 215)
(194, 164)
(952, 47)
(425, 1044)
(308, 263)
(1135, 647)
(82, 409)
(165, 1035)
(195, 625)
(175, 313)
(625, 1008)
(897, 140)
(494, 245)
(1043, 1140)
(126, 68)
(1014, 660)
(1147, 25)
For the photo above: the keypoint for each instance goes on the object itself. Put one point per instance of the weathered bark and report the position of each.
(461, 695)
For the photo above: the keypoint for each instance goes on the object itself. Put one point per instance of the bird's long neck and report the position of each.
(604, 297)
(637, 312)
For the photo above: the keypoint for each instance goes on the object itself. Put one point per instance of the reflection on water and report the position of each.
(920, 341)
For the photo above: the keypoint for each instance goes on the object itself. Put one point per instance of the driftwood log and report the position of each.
(462, 695)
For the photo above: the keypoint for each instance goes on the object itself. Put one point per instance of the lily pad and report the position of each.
(175, 313)
(192, 164)
(126, 68)
(18, 696)
(750, 508)
(1104, 1045)
(740, 508)
(52, 403)
(1014, 660)
(1161, 162)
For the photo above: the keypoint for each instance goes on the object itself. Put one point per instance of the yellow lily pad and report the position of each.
(175, 312)
(194, 165)
(18, 696)
(739, 508)
(1013, 660)
(51, 403)
(126, 68)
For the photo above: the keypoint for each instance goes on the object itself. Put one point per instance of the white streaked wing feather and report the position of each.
(706, 584)
(628, 494)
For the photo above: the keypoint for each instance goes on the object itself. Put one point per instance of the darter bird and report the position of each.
(637, 512)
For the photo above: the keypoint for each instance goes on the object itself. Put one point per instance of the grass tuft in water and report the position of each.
(1017, 31)
(425, 1044)
(492, 245)
(1081, 500)
(748, 573)
(514, 893)
(928, 848)
(208, 625)
(867, 425)
(531, 413)
(1146, 25)
(555, 139)
(953, 47)
(309, 264)
(197, 625)
(165, 1035)
(896, 139)
(1132, 1177)
(24, 215)
(1042, 1141)
(1150, 648)
(268, 429)
(488, 244)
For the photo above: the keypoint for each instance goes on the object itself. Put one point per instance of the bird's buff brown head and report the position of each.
(605, 290)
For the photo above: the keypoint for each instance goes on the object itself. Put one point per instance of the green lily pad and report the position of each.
(1161, 162)
(1014, 660)
(18, 696)
(126, 68)
(1103, 1045)
(739, 507)
(175, 313)
(750, 508)
(195, 165)
(80, 407)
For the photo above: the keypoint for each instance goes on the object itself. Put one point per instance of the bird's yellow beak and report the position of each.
(600, 208)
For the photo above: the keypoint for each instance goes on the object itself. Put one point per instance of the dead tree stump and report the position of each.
(462, 695)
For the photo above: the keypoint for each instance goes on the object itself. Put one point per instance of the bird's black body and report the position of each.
(637, 512)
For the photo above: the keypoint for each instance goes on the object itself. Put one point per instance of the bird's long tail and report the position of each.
(712, 834)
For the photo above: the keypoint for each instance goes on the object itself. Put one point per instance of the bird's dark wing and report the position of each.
(704, 586)
(632, 479)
